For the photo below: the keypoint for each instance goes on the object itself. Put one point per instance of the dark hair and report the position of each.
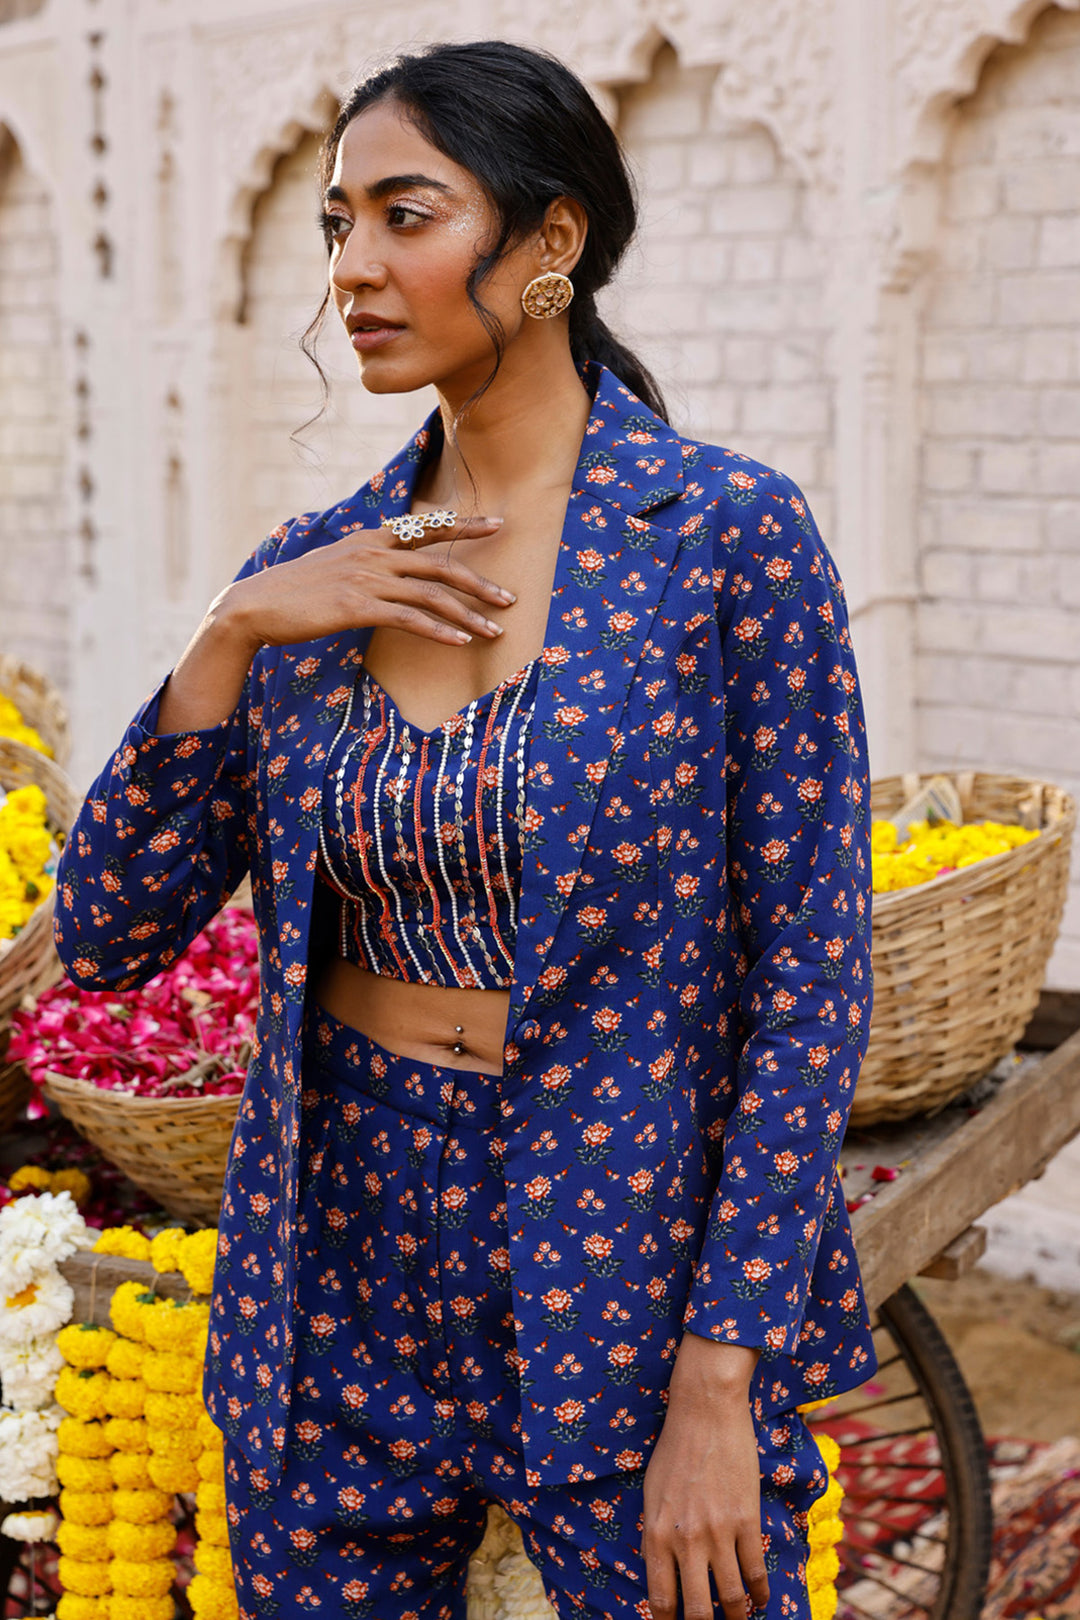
(528, 130)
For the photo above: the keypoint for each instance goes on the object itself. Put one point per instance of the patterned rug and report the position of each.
(1036, 1567)
(1035, 1571)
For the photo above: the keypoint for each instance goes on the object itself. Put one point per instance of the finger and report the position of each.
(661, 1576)
(403, 617)
(475, 528)
(437, 602)
(750, 1552)
(693, 1560)
(449, 570)
(729, 1583)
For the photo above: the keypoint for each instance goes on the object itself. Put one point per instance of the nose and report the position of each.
(357, 265)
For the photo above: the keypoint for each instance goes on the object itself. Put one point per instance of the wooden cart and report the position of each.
(918, 1517)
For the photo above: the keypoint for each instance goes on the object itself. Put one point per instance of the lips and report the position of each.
(368, 332)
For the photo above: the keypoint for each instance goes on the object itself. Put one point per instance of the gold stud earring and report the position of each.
(548, 295)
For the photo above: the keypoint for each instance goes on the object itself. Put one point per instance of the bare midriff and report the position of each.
(456, 1029)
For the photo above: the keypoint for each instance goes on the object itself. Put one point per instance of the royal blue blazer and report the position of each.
(692, 991)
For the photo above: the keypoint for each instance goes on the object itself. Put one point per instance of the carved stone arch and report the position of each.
(940, 61)
(254, 178)
(15, 133)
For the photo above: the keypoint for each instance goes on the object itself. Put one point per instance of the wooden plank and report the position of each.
(94, 1276)
(975, 1165)
(962, 1254)
(1055, 1018)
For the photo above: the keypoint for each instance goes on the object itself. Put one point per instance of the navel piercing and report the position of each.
(458, 1046)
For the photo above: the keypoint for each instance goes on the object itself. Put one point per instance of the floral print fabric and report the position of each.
(692, 983)
(406, 1415)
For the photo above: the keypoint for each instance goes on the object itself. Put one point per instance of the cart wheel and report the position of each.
(917, 1515)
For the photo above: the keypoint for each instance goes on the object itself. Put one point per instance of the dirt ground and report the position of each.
(1018, 1346)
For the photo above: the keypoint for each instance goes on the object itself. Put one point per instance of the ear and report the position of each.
(562, 235)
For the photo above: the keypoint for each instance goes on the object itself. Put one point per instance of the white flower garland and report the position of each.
(37, 1232)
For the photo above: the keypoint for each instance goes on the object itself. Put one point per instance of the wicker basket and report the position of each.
(959, 961)
(174, 1148)
(31, 965)
(39, 703)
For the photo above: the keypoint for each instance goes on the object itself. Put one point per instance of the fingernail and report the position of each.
(507, 596)
(496, 629)
(496, 520)
(463, 635)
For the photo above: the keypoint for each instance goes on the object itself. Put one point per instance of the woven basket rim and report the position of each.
(128, 1099)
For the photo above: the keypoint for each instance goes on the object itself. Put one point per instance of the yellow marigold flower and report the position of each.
(172, 1326)
(89, 1580)
(176, 1445)
(142, 1580)
(123, 1241)
(125, 1397)
(81, 1391)
(141, 1507)
(85, 1541)
(122, 1607)
(74, 1606)
(197, 1256)
(130, 1302)
(126, 1359)
(165, 1248)
(30, 1175)
(210, 1496)
(823, 1602)
(209, 1433)
(822, 1568)
(77, 1438)
(84, 1344)
(212, 1600)
(211, 1465)
(172, 1411)
(212, 1527)
(127, 1434)
(172, 1474)
(172, 1374)
(830, 1453)
(84, 1473)
(76, 1182)
(86, 1507)
(214, 1561)
(141, 1542)
(130, 1471)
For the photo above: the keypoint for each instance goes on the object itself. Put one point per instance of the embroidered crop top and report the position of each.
(420, 835)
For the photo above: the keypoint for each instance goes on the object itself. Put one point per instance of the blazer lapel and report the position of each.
(610, 574)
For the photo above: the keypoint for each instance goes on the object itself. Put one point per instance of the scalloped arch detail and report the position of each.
(975, 35)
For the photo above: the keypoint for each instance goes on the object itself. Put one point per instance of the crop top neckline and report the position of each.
(459, 715)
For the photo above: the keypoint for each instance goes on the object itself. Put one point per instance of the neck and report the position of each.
(524, 434)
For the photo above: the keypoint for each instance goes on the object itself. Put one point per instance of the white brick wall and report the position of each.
(276, 389)
(723, 295)
(33, 552)
(999, 624)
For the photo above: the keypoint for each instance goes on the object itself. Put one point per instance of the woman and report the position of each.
(558, 844)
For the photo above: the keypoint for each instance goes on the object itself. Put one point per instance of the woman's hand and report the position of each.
(365, 578)
(703, 1488)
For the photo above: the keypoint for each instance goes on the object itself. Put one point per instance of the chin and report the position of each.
(388, 379)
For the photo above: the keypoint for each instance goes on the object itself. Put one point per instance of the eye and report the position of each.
(402, 214)
(331, 225)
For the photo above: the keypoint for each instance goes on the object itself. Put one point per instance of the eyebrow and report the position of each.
(392, 182)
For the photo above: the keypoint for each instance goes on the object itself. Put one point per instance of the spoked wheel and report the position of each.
(917, 1513)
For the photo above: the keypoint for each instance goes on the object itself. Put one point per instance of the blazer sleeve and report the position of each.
(163, 837)
(800, 884)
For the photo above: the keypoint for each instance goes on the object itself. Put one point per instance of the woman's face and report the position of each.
(407, 225)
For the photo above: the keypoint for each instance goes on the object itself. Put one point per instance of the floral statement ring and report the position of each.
(412, 526)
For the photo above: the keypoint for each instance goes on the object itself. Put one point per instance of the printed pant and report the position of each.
(406, 1412)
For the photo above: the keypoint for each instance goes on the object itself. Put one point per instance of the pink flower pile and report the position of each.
(199, 1015)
